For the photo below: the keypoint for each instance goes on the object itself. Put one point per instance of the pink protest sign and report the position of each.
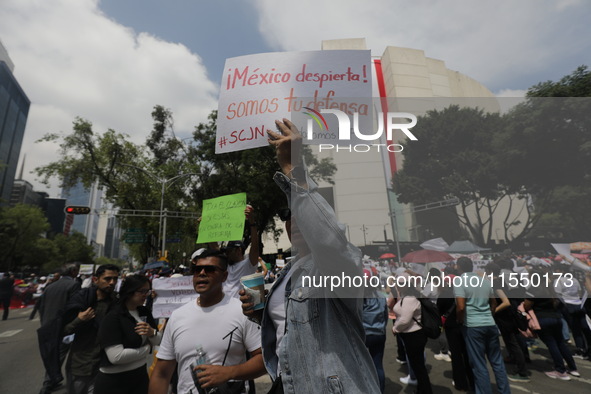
(258, 89)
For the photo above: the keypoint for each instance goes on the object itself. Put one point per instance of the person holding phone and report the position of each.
(127, 335)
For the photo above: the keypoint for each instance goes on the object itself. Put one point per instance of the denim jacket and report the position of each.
(323, 350)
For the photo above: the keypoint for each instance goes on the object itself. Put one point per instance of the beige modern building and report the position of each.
(415, 83)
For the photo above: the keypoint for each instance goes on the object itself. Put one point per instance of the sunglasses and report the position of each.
(209, 269)
(284, 214)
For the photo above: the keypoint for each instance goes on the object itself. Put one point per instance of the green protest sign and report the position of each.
(222, 219)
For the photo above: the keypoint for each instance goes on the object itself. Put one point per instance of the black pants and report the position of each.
(414, 343)
(376, 345)
(128, 382)
(401, 353)
(509, 333)
(460, 365)
(35, 310)
(6, 306)
(52, 378)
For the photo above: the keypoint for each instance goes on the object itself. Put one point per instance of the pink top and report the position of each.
(405, 309)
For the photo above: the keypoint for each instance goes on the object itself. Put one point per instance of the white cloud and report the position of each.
(499, 43)
(72, 60)
(509, 98)
(515, 93)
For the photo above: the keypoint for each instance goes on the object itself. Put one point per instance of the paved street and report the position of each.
(22, 369)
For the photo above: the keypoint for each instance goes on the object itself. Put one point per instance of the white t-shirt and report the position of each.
(235, 272)
(192, 325)
(568, 290)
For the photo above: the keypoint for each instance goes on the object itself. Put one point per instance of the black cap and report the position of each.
(235, 244)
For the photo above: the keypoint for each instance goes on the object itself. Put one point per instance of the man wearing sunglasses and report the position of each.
(214, 321)
(313, 338)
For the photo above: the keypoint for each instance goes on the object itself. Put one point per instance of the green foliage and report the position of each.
(129, 174)
(22, 242)
(105, 260)
(135, 177)
(549, 146)
(577, 84)
(21, 227)
(539, 151)
(456, 157)
(63, 249)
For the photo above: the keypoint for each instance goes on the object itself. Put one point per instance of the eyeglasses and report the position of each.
(209, 269)
(284, 214)
(144, 291)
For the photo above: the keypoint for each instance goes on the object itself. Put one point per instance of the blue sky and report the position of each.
(111, 61)
(215, 30)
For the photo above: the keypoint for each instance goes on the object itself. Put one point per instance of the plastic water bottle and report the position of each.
(201, 358)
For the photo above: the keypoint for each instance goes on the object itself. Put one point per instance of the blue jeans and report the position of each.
(376, 345)
(551, 335)
(481, 342)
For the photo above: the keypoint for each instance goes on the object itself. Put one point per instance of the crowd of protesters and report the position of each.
(310, 339)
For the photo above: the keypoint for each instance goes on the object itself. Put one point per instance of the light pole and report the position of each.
(164, 182)
(395, 234)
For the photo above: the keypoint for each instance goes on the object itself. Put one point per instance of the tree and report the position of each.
(548, 143)
(456, 157)
(125, 171)
(133, 176)
(533, 159)
(21, 227)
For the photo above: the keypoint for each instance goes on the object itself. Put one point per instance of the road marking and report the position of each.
(519, 388)
(9, 333)
(583, 380)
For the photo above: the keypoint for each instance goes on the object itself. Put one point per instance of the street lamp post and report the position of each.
(395, 234)
(164, 182)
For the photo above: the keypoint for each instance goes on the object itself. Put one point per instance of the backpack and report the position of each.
(430, 318)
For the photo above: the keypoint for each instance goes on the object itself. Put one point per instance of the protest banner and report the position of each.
(223, 218)
(258, 89)
(86, 269)
(172, 293)
(565, 250)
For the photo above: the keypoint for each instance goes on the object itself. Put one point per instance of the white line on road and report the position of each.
(9, 333)
(519, 388)
(583, 380)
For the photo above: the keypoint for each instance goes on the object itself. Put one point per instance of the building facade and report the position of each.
(14, 109)
(86, 224)
(405, 80)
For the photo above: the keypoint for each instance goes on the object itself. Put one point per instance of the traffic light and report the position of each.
(77, 210)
